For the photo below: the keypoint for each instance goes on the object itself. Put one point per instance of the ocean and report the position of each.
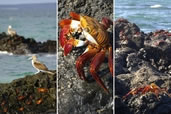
(149, 15)
(36, 21)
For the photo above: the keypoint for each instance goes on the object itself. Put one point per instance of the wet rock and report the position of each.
(145, 61)
(77, 96)
(22, 95)
(20, 45)
(128, 34)
(158, 49)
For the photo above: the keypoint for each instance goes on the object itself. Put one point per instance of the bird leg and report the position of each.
(37, 72)
(94, 66)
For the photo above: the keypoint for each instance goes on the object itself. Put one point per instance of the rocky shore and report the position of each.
(141, 59)
(75, 95)
(20, 45)
(33, 94)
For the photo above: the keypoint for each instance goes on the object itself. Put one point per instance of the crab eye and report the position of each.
(79, 30)
(87, 29)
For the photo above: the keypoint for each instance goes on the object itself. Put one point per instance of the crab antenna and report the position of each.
(75, 16)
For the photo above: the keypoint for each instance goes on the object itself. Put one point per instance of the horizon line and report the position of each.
(28, 3)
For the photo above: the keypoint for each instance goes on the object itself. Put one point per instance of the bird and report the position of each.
(10, 31)
(40, 67)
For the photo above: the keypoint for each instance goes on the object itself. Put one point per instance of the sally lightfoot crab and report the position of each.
(97, 41)
(148, 88)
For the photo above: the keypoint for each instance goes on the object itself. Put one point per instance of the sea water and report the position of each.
(149, 15)
(36, 21)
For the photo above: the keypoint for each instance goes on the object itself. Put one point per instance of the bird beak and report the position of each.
(30, 58)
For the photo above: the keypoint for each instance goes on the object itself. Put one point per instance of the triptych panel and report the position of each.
(85, 57)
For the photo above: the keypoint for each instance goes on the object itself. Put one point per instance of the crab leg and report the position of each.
(106, 22)
(87, 55)
(75, 16)
(94, 66)
(133, 92)
(130, 92)
(110, 60)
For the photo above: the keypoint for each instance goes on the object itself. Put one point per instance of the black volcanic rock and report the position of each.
(20, 45)
(139, 63)
(128, 34)
(21, 96)
(95, 8)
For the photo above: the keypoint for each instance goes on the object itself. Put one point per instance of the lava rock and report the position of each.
(128, 34)
(22, 95)
(20, 45)
(140, 63)
(93, 8)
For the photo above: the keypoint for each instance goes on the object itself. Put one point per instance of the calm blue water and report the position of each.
(36, 21)
(33, 20)
(142, 13)
(17, 66)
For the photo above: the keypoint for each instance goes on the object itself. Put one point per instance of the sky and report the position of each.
(2, 2)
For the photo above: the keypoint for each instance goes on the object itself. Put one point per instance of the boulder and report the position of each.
(19, 45)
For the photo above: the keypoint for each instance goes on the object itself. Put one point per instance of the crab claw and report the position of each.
(63, 33)
(67, 48)
(72, 43)
(65, 22)
(64, 42)
(67, 26)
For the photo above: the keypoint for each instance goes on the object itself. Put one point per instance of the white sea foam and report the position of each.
(50, 55)
(156, 6)
(42, 54)
(5, 53)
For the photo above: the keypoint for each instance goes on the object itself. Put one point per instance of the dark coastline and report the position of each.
(20, 45)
